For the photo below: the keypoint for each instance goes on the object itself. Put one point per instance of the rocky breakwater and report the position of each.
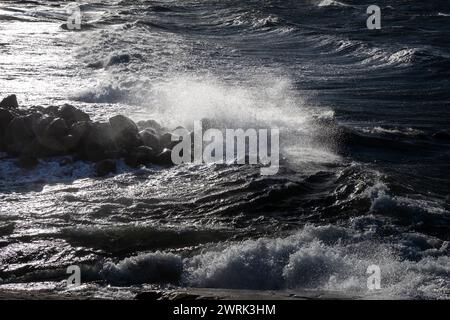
(38, 132)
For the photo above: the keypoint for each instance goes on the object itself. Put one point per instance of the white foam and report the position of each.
(324, 258)
(327, 3)
(145, 268)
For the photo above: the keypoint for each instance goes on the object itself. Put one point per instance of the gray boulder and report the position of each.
(166, 140)
(164, 158)
(5, 118)
(18, 135)
(99, 143)
(150, 139)
(9, 102)
(149, 124)
(140, 156)
(125, 132)
(71, 114)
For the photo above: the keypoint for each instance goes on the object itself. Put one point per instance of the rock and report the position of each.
(166, 141)
(10, 102)
(54, 136)
(117, 59)
(71, 114)
(99, 143)
(125, 132)
(122, 124)
(57, 128)
(18, 135)
(149, 124)
(80, 129)
(36, 149)
(105, 167)
(28, 162)
(150, 139)
(52, 110)
(164, 158)
(5, 118)
(442, 135)
(40, 125)
(141, 155)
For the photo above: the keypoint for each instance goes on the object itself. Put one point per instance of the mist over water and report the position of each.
(363, 177)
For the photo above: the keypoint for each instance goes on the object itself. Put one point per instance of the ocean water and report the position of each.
(364, 179)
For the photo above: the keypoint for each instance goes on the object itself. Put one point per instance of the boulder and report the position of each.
(140, 156)
(99, 143)
(105, 167)
(54, 136)
(149, 124)
(5, 118)
(56, 128)
(71, 114)
(52, 110)
(166, 140)
(40, 124)
(80, 129)
(150, 139)
(9, 102)
(125, 132)
(164, 158)
(442, 135)
(18, 135)
(36, 149)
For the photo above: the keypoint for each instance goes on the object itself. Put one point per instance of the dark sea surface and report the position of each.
(364, 119)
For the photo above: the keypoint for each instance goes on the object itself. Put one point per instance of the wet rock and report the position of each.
(442, 135)
(71, 114)
(40, 124)
(122, 124)
(10, 102)
(117, 59)
(164, 158)
(80, 129)
(150, 139)
(125, 132)
(140, 156)
(28, 162)
(36, 149)
(149, 124)
(99, 143)
(54, 135)
(18, 135)
(57, 128)
(52, 110)
(5, 118)
(105, 167)
(166, 140)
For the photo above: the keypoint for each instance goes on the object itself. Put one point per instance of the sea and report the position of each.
(363, 116)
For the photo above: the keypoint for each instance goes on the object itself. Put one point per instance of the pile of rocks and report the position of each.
(40, 132)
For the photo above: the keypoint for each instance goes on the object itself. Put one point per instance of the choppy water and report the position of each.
(363, 180)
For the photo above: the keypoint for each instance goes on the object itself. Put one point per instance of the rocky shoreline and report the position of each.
(66, 131)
